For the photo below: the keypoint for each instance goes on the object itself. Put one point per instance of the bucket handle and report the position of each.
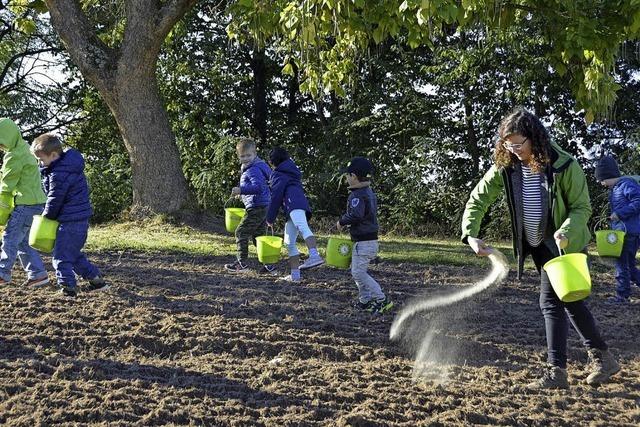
(601, 220)
(227, 202)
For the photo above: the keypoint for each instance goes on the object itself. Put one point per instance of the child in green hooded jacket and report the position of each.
(20, 181)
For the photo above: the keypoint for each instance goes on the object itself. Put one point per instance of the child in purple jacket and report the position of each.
(287, 195)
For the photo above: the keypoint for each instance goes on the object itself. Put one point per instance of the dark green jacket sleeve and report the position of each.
(573, 207)
(490, 187)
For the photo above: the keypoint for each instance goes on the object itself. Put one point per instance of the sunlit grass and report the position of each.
(158, 236)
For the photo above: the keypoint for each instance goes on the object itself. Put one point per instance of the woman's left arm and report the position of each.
(573, 185)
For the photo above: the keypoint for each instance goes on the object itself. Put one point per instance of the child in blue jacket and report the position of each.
(254, 191)
(287, 194)
(624, 199)
(68, 203)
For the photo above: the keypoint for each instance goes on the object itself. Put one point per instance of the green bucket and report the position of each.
(609, 242)
(569, 277)
(6, 207)
(339, 252)
(269, 249)
(232, 217)
(43, 233)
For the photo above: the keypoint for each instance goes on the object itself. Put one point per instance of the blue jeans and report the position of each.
(555, 314)
(68, 259)
(15, 243)
(626, 270)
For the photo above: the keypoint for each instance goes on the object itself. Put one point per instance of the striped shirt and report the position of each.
(532, 205)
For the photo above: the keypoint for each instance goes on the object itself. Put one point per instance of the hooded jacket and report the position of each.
(286, 191)
(254, 184)
(568, 206)
(624, 199)
(67, 189)
(20, 176)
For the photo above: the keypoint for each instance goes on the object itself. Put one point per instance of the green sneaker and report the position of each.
(552, 378)
(383, 306)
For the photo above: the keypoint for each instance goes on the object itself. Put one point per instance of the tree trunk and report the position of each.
(259, 69)
(156, 169)
(125, 78)
(472, 137)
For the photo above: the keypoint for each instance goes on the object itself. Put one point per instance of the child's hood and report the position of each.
(70, 161)
(9, 134)
(289, 168)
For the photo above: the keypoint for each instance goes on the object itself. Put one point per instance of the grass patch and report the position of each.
(160, 236)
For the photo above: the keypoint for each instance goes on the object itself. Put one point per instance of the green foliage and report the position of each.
(107, 165)
(325, 38)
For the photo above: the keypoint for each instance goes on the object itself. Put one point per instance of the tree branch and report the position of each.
(95, 60)
(171, 13)
(20, 55)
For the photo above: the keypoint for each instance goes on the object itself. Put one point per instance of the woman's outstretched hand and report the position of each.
(479, 246)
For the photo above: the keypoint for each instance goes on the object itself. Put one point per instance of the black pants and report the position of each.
(555, 314)
(252, 225)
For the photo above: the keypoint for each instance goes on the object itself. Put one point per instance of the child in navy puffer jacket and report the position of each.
(68, 203)
(287, 194)
(254, 192)
(624, 199)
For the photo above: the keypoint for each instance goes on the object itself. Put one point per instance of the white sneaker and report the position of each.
(288, 278)
(312, 262)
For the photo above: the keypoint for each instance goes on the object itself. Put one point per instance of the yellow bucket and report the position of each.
(609, 242)
(339, 252)
(6, 207)
(268, 248)
(43, 233)
(232, 217)
(569, 276)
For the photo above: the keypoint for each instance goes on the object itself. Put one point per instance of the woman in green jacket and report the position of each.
(549, 208)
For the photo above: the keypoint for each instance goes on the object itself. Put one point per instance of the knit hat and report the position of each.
(606, 168)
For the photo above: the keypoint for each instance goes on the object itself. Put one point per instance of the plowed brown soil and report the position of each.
(178, 341)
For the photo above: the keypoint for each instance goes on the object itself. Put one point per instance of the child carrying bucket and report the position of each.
(254, 192)
(549, 208)
(287, 195)
(624, 199)
(361, 218)
(20, 186)
(68, 203)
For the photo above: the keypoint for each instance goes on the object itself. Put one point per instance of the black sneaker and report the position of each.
(382, 306)
(236, 267)
(68, 292)
(270, 269)
(97, 284)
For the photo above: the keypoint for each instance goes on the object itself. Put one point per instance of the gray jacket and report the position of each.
(361, 215)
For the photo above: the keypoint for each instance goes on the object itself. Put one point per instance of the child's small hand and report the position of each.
(339, 226)
(614, 217)
(235, 191)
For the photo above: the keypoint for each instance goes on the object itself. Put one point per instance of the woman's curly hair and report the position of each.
(528, 125)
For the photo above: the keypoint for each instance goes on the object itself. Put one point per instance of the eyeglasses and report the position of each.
(509, 146)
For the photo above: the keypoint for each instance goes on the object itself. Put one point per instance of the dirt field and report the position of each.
(177, 341)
